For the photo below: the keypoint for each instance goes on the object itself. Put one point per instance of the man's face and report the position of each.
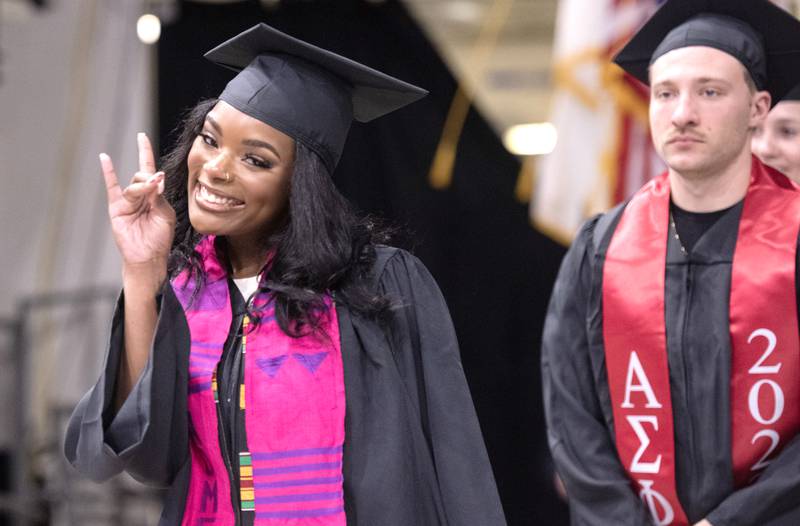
(702, 110)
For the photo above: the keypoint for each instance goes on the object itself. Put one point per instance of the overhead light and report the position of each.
(538, 138)
(148, 28)
(462, 11)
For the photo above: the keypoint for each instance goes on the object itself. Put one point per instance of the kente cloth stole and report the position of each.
(765, 363)
(294, 406)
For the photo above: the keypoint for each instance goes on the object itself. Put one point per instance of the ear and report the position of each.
(760, 105)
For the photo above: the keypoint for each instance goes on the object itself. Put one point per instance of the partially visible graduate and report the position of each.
(777, 142)
(271, 362)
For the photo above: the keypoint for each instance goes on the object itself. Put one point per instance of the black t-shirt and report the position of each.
(692, 225)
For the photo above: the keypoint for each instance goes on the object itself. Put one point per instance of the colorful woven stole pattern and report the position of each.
(294, 405)
(765, 347)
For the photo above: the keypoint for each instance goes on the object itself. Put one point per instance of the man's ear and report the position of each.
(761, 104)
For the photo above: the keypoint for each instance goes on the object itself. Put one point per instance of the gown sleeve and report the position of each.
(148, 436)
(599, 491)
(773, 500)
(464, 475)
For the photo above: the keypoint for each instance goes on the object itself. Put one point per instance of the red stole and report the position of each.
(765, 345)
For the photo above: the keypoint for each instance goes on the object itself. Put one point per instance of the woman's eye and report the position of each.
(258, 163)
(708, 92)
(788, 132)
(208, 140)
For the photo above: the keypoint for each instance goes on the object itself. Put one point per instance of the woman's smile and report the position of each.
(215, 201)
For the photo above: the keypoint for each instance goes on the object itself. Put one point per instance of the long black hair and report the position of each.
(322, 246)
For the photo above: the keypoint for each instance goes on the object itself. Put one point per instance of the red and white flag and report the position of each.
(604, 153)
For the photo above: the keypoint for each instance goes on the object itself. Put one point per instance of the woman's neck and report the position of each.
(246, 258)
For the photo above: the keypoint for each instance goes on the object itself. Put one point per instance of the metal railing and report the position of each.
(55, 346)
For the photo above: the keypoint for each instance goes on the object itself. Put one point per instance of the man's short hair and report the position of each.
(748, 79)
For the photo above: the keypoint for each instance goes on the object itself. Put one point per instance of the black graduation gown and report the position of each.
(578, 406)
(413, 452)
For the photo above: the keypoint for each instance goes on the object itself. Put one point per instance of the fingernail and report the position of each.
(140, 135)
(103, 157)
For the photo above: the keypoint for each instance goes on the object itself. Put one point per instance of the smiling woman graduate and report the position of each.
(270, 362)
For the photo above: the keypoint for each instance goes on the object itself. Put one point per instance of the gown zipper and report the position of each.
(687, 375)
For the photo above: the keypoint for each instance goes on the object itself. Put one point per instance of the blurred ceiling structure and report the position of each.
(500, 49)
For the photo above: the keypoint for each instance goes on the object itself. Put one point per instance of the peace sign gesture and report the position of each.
(142, 221)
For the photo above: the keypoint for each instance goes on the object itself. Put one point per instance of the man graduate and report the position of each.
(671, 357)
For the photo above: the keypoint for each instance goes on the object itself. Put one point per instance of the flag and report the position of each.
(604, 152)
(793, 6)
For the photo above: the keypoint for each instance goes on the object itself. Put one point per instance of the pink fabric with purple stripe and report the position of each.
(294, 408)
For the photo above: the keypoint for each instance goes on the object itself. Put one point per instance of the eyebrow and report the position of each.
(262, 144)
(214, 124)
(247, 142)
(710, 80)
(783, 121)
(702, 80)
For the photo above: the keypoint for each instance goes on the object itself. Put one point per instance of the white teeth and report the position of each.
(205, 195)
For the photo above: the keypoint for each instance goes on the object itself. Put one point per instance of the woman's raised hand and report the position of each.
(142, 221)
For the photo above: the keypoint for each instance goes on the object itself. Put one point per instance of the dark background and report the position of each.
(495, 270)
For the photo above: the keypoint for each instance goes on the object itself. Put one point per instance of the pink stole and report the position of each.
(294, 406)
(765, 344)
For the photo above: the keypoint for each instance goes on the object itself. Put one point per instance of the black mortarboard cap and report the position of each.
(759, 34)
(793, 95)
(307, 92)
